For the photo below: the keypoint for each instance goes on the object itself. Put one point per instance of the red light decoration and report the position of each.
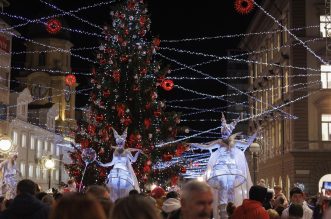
(53, 26)
(70, 80)
(167, 84)
(244, 6)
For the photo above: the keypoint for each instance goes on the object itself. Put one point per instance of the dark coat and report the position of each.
(175, 214)
(26, 207)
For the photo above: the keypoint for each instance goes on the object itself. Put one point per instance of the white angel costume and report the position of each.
(9, 180)
(227, 169)
(121, 179)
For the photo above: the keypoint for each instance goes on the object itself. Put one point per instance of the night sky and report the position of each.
(171, 19)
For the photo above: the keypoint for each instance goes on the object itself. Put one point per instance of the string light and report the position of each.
(45, 51)
(289, 32)
(236, 35)
(57, 15)
(71, 14)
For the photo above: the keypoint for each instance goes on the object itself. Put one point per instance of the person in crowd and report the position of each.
(322, 205)
(40, 195)
(48, 200)
(252, 208)
(134, 206)
(268, 203)
(273, 214)
(279, 193)
(134, 192)
(297, 197)
(77, 205)
(279, 205)
(295, 211)
(230, 208)
(102, 194)
(9, 180)
(98, 191)
(2, 202)
(121, 178)
(25, 204)
(196, 202)
(170, 204)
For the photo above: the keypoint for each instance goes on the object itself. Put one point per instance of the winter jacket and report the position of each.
(307, 212)
(26, 207)
(175, 214)
(250, 209)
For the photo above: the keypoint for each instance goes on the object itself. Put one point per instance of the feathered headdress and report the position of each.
(120, 139)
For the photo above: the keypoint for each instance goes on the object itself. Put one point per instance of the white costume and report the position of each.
(9, 180)
(121, 178)
(227, 170)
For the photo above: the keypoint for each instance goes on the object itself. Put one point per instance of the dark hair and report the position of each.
(26, 186)
(134, 206)
(230, 208)
(40, 195)
(295, 190)
(2, 199)
(133, 192)
(258, 193)
(295, 210)
(77, 205)
(172, 194)
(107, 206)
(98, 191)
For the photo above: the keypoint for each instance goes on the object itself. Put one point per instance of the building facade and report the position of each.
(284, 73)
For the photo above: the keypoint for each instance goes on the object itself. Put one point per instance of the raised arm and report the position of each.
(210, 146)
(3, 163)
(133, 158)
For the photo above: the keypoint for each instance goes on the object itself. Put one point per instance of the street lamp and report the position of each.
(5, 144)
(255, 149)
(49, 164)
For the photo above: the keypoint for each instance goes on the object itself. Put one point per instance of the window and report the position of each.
(15, 138)
(57, 151)
(279, 86)
(52, 148)
(39, 149)
(38, 172)
(56, 175)
(23, 144)
(286, 80)
(325, 25)
(45, 146)
(326, 76)
(32, 143)
(271, 49)
(23, 110)
(22, 169)
(326, 127)
(30, 170)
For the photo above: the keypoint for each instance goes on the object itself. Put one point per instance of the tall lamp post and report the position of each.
(49, 164)
(255, 149)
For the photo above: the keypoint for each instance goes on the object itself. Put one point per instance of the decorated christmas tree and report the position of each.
(125, 95)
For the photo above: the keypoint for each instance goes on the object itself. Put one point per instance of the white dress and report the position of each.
(9, 181)
(121, 179)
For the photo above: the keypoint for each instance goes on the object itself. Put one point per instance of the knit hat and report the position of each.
(258, 193)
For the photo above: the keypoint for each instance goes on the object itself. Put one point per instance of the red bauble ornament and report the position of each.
(99, 118)
(147, 169)
(131, 5)
(157, 113)
(127, 121)
(167, 157)
(70, 80)
(157, 193)
(147, 123)
(120, 110)
(84, 143)
(53, 26)
(148, 106)
(91, 129)
(106, 93)
(143, 71)
(116, 76)
(156, 42)
(124, 58)
(244, 6)
(142, 20)
(183, 169)
(167, 84)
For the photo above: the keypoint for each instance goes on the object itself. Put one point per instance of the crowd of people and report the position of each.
(193, 201)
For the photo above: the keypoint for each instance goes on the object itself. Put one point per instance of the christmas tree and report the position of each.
(125, 94)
